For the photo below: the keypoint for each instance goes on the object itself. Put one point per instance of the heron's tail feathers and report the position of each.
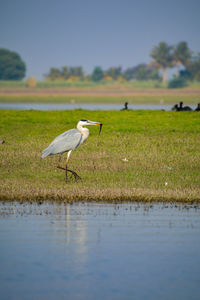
(46, 152)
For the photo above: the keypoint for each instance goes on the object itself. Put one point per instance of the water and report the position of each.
(99, 251)
(40, 106)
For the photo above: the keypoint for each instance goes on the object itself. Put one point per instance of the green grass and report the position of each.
(160, 147)
(82, 84)
(52, 84)
(117, 85)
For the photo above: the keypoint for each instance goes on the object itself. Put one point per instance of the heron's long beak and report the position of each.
(100, 124)
(96, 123)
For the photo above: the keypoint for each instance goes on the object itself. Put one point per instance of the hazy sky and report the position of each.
(54, 33)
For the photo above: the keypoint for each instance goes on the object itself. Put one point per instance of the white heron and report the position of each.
(68, 141)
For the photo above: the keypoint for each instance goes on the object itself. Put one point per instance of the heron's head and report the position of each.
(84, 122)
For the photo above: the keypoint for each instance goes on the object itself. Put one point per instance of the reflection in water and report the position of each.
(76, 230)
(95, 251)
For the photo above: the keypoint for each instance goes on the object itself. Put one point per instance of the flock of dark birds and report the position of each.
(180, 107)
(176, 107)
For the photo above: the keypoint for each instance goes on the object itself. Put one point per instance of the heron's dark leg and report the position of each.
(68, 170)
(58, 165)
(76, 176)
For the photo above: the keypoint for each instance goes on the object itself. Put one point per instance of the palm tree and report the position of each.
(163, 58)
(182, 55)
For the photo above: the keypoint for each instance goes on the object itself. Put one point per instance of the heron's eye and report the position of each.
(83, 120)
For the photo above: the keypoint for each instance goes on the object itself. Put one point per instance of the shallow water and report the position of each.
(99, 251)
(47, 106)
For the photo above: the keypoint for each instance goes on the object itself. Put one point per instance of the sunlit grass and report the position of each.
(119, 84)
(161, 149)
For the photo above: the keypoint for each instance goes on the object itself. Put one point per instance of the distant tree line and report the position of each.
(163, 56)
(139, 72)
(65, 73)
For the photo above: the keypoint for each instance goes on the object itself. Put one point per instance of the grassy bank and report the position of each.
(103, 84)
(104, 99)
(162, 149)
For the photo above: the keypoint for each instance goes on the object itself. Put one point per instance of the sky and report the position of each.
(106, 33)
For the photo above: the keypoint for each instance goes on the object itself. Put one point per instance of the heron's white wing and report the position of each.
(68, 140)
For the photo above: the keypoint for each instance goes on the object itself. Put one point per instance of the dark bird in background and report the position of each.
(175, 107)
(125, 106)
(198, 107)
(184, 108)
(181, 107)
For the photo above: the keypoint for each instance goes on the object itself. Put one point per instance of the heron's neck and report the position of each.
(84, 131)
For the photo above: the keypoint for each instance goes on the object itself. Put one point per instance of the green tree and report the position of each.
(65, 72)
(193, 67)
(146, 72)
(76, 71)
(182, 55)
(114, 72)
(11, 65)
(163, 58)
(142, 72)
(54, 73)
(97, 74)
(177, 82)
(129, 73)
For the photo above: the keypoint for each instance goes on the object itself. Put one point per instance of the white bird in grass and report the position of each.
(68, 141)
(125, 159)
